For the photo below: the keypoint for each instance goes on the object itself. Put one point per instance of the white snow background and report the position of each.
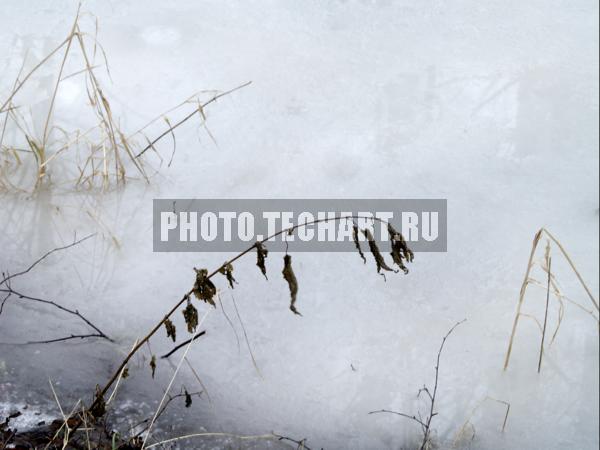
(492, 105)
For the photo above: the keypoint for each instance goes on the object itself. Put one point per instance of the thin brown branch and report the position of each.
(426, 423)
(189, 116)
(39, 260)
(62, 339)
(183, 344)
(9, 292)
(387, 411)
(74, 312)
(301, 444)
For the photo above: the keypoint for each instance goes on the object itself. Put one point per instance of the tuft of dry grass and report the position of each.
(551, 287)
(101, 155)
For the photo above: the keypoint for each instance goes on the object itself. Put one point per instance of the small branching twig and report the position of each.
(43, 257)
(301, 444)
(431, 396)
(8, 291)
(408, 416)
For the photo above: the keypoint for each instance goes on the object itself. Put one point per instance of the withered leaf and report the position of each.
(153, 364)
(381, 264)
(204, 289)
(400, 251)
(357, 243)
(188, 399)
(261, 255)
(171, 330)
(190, 314)
(290, 277)
(227, 270)
(99, 407)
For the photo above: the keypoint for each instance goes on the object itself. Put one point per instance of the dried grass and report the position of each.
(551, 286)
(102, 155)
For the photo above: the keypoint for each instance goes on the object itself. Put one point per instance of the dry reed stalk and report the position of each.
(552, 283)
(545, 313)
(459, 434)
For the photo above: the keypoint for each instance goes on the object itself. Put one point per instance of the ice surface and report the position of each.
(493, 106)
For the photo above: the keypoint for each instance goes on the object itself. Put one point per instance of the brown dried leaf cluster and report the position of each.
(379, 261)
(400, 251)
(227, 270)
(99, 408)
(261, 255)
(171, 330)
(190, 315)
(188, 399)
(204, 289)
(290, 277)
(153, 365)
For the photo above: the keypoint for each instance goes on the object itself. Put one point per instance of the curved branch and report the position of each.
(187, 295)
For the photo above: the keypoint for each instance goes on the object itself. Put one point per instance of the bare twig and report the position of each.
(183, 344)
(39, 260)
(426, 423)
(408, 416)
(74, 312)
(301, 444)
(9, 292)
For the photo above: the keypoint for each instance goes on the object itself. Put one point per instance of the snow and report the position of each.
(493, 106)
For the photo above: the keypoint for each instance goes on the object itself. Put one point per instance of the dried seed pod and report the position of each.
(261, 255)
(99, 407)
(153, 365)
(290, 277)
(227, 270)
(171, 330)
(188, 399)
(204, 289)
(381, 264)
(190, 315)
(400, 251)
(357, 243)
